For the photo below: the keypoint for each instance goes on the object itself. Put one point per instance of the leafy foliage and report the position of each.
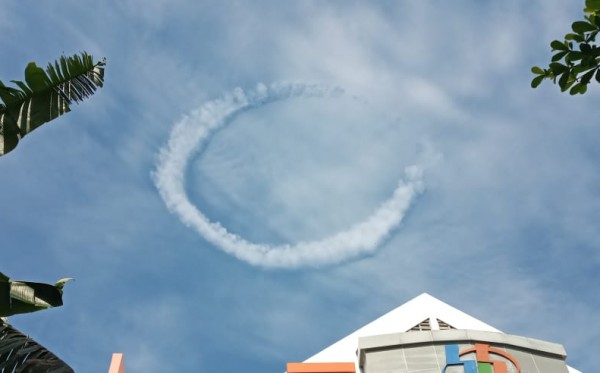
(25, 296)
(20, 354)
(576, 60)
(45, 95)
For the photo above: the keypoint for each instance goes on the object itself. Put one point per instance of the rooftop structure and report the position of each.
(427, 335)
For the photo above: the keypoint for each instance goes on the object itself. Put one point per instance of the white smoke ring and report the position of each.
(191, 133)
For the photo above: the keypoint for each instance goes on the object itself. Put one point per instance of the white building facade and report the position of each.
(425, 335)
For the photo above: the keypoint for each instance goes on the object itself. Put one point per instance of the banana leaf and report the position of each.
(46, 95)
(25, 296)
(21, 354)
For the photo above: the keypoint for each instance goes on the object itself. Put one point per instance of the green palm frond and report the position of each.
(19, 353)
(18, 297)
(46, 95)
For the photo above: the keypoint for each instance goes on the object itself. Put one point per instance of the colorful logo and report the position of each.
(483, 362)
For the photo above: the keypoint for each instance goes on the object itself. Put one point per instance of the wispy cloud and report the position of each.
(193, 131)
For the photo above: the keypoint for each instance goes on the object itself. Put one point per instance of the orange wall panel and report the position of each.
(321, 368)
(117, 364)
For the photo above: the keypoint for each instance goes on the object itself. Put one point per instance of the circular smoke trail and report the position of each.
(191, 133)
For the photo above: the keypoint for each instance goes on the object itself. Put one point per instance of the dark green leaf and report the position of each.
(585, 79)
(558, 68)
(570, 82)
(585, 47)
(598, 76)
(578, 89)
(559, 56)
(575, 89)
(537, 80)
(592, 4)
(588, 61)
(36, 78)
(578, 69)
(576, 37)
(563, 81)
(26, 90)
(575, 56)
(10, 95)
(537, 70)
(558, 45)
(582, 27)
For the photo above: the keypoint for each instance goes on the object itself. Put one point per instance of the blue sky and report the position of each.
(502, 224)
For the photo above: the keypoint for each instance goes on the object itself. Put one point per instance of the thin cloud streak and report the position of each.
(192, 132)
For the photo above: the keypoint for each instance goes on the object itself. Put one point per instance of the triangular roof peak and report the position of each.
(422, 311)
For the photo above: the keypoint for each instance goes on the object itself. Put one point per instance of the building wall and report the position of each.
(457, 352)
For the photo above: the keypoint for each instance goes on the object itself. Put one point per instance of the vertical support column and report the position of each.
(117, 364)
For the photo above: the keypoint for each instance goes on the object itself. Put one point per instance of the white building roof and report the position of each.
(424, 309)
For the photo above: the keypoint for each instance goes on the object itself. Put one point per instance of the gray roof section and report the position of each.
(386, 341)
